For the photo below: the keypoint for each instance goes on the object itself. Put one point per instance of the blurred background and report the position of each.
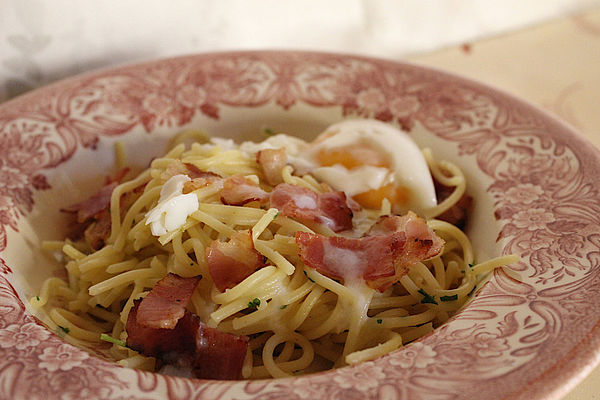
(544, 51)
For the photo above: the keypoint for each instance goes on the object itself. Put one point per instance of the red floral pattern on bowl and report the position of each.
(535, 182)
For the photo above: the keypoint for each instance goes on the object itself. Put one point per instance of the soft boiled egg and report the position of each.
(370, 160)
(367, 159)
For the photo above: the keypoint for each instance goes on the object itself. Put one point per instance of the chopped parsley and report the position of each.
(379, 321)
(254, 303)
(308, 277)
(62, 329)
(275, 216)
(472, 291)
(37, 298)
(111, 339)
(449, 298)
(471, 265)
(268, 131)
(283, 307)
(427, 298)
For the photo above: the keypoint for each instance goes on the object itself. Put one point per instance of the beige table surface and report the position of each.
(555, 65)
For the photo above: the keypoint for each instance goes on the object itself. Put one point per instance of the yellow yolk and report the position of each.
(351, 156)
(397, 195)
(359, 155)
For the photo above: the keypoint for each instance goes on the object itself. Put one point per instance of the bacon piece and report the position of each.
(166, 302)
(200, 181)
(98, 230)
(94, 204)
(329, 208)
(369, 258)
(381, 258)
(209, 353)
(99, 201)
(180, 168)
(456, 215)
(93, 218)
(231, 262)
(238, 190)
(199, 178)
(272, 162)
(421, 241)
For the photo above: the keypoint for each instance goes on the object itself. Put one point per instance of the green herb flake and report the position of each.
(37, 298)
(380, 321)
(283, 307)
(111, 339)
(63, 329)
(471, 265)
(275, 216)
(427, 298)
(268, 131)
(472, 291)
(254, 303)
(309, 278)
(449, 298)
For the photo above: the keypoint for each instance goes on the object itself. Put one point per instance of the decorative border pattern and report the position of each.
(505, 344)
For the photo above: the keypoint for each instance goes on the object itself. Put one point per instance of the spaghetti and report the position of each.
(298, 318)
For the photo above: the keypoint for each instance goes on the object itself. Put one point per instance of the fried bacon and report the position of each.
(199, 178)
(272, 162)
(98, 230)
(184, 341)
(231, 262)
(380, 258)
(166, 302)
(238, 190)
(92, 216)
(329, 208)
(94, 204)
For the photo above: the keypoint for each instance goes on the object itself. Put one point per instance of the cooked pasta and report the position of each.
(298, 319)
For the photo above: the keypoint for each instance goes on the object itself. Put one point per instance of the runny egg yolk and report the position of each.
(358, 155)
(352, 156)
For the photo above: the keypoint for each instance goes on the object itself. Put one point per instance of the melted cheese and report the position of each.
(173, 206)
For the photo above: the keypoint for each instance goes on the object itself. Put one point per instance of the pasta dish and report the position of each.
(271, 259)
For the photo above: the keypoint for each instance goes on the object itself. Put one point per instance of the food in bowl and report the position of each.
(258, 260)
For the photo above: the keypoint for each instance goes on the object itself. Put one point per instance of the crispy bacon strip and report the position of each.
(98, 230)
(166, 302)
(93, 218)
(209, 353)
(238, 190)
(231, 262)
(94, 204)
(199, 178)
(272, 162)
(380, 258)
(329, 208)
